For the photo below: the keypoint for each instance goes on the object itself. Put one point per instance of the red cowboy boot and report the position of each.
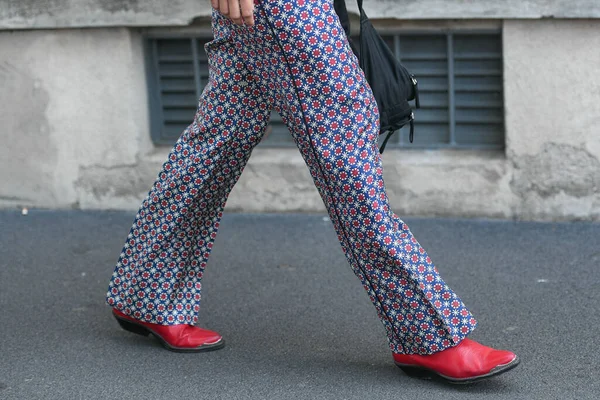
(466, 362)
(181, 338)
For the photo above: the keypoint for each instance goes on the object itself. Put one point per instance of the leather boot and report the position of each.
(466, 362)
(180, 338)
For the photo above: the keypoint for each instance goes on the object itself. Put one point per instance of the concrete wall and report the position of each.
(74, 125)
(35, 14)
(73, 102)
(550, 169)
(552, 97)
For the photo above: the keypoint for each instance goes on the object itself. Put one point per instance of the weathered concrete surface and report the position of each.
(551, 166)
(28, 156)
(441, 182)
(34, 14)
(72, 100)
(552, 98)
(75, 131)
(478, 9)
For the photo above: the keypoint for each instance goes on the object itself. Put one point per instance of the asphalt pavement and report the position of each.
(296, 321)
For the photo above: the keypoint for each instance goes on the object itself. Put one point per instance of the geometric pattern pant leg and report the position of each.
(296, 60)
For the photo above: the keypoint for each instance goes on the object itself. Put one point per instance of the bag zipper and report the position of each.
(416, 87)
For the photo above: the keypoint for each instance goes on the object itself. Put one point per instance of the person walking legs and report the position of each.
(293, 58)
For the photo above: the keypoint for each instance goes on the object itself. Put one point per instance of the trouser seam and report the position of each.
(318, 163)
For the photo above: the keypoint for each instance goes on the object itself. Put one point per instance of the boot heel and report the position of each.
(133, 328)
(415, 372)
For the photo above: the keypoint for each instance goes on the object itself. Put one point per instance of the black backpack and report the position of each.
(392, 85)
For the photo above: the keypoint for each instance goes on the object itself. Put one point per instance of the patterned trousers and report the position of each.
(296, 60)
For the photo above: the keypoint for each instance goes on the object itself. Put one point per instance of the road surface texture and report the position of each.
(297, 323)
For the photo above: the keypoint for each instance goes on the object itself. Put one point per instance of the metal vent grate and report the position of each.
(178, 72)
(460, 80)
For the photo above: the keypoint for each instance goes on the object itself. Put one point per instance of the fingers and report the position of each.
(240, 12)
(247, 7)
(234, 12)
(224, 7)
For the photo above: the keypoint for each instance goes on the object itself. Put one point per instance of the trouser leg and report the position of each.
(329, 107)
(158, 275)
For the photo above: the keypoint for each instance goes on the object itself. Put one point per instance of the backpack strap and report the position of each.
(363, 15)
(342, 12)
(391, 132)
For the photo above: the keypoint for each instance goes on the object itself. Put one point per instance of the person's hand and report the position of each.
(239, 11)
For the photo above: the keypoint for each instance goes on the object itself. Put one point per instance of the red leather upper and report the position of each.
(466, 360)
(182, 335)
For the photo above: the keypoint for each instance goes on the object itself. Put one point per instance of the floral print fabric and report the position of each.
(296, 60)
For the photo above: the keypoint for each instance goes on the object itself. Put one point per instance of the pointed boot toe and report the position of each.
(466, 362)
(180, 338)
